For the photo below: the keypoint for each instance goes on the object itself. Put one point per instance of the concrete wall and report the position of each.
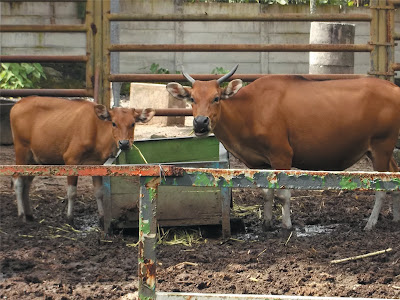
(180, 32)
(41, 43)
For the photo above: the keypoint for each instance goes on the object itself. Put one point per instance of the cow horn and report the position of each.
(187, 76)
(226, 76)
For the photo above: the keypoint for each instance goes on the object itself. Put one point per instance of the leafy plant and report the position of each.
(155, 69)
(219, 70)
(20, 75)
(292, 2)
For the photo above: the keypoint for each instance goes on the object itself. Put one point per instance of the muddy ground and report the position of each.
(46, 259)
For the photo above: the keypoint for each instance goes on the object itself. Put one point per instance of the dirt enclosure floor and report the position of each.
(46, 259)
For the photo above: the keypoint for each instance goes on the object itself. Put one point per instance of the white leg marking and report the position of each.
(269, 198)
(19, 190)
(71, 193)
(284, 195)
(98, 194)
(373, 219)
(396, 206)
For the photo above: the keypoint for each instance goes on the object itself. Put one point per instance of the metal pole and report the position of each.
(147, 237)
(240, 48)
(90, 34)
(244, 77)
(114, 58)
(106, 63)
(243, 18)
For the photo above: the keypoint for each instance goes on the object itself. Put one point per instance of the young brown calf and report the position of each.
(55, 131)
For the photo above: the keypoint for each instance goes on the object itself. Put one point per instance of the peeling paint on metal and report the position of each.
(144, 226)
(347, 183)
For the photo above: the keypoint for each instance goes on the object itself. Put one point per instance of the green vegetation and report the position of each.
(292, 2)
(20, 75)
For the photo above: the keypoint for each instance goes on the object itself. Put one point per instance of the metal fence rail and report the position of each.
(89, 28)
(153, 176)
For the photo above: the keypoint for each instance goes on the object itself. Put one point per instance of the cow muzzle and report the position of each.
(201, 125)
(124, 145)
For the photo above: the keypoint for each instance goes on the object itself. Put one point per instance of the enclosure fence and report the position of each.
(154, 176)
(99, 47)
(98, 70)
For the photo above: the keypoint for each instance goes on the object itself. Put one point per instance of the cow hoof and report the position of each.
(70, 221)
(368, 227)
(101, 222)
(268, 226)
(26, 218)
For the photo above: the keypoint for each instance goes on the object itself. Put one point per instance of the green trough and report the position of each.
(177, 205)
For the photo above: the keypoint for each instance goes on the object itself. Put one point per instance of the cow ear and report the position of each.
(146, 115)
(102, 112)
(178, 91)
(233, 87)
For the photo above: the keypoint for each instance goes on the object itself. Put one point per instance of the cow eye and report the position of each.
(216, 99)
(133, 125)
(113, 124)
(192, 100)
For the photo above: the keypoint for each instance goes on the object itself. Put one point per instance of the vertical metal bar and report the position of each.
(374, 37)
(114, 58)
(147, 236)
(382, 34)
(98, 47)
(390, 40)
(226, 208)
(106, 62)
(89, 21)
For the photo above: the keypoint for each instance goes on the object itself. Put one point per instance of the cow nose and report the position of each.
(201, 124)
(123, 144)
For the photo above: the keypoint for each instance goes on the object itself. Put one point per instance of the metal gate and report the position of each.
(97, 60)
(99, 47)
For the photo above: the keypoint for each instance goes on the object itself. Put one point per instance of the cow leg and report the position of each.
(98, 193)
(21, 187)
(71, 194)
(395, 195)
(373, 218)
(396, 206)
(22, 184)
(268, 201)
(284, 196)
(381, 162)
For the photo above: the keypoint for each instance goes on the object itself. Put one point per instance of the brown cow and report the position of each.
(55, 131)
(284, 121)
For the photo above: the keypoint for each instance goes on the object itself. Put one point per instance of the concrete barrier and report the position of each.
(143, 95)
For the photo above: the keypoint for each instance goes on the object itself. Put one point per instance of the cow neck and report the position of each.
(229, 129)
(106, 143)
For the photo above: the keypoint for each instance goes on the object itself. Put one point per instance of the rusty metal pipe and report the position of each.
(240, 48)
(47, 92)
(43, 58)
(226, 17)
(90, 170)
(244, 77)
(175, 112)
(43, 28)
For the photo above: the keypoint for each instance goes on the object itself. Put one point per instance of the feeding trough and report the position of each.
(176, 206)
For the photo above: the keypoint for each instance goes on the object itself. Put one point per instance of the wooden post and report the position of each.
(106, 61)
(382, 26)
(97, 26)
(90, 64)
